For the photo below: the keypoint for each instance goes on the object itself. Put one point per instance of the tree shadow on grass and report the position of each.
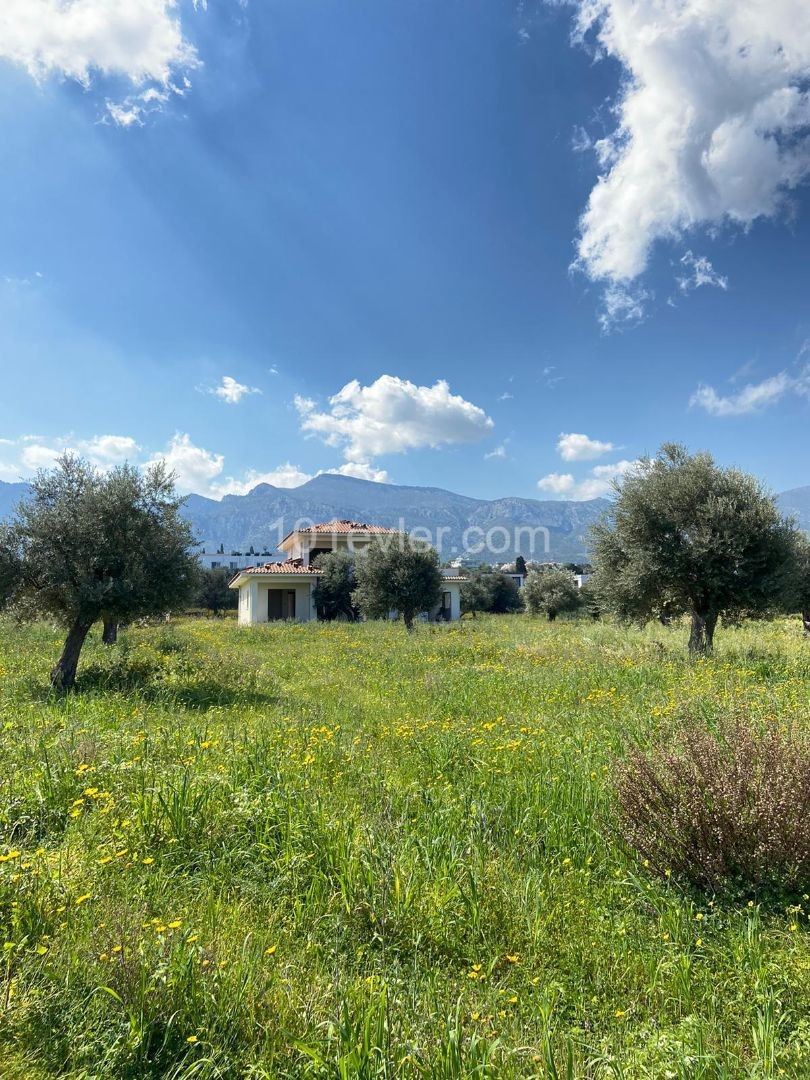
(201, 690)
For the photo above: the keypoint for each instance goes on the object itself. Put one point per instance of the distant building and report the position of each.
(274, 591)
(218, 560)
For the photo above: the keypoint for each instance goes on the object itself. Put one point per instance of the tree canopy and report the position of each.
(399, 574)
(333, 591)
(490, 591)
(551, 592)
(689, 537)
(88, 545)
(213, 592)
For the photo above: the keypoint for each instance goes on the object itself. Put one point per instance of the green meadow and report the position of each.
(345, 851)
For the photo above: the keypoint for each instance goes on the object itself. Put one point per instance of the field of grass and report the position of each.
(344, 851)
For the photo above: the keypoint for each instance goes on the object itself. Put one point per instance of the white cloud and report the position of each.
(391, 416)
(138, 40)
(753, 396)
(109, 449)
(361, 470)
(36, 456)
(622, 305)
(195, 469)
(231, 392)
(291, 476)
(713, 122)
(574, 447)
(103, 451)
(557, 483)
(700, 272)
(595, 486)
(498, 454)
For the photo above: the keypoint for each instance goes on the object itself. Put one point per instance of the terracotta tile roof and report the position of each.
(344, 525)
(291, 566)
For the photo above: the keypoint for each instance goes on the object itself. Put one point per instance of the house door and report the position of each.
(446, 608)
(280, 604)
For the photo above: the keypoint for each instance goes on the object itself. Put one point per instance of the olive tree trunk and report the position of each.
(806, 621)
(408, 620)
(63, 675)
(109, 635)
(701, 638)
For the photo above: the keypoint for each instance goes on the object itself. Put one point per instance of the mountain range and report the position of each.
(264, 515)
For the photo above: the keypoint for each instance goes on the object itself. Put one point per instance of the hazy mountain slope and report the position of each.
(266, 514)
(796, 503)
(10, 495)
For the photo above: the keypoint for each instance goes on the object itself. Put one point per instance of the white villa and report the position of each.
(284, 590)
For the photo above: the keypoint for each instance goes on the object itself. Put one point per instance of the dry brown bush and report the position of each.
(721, 808)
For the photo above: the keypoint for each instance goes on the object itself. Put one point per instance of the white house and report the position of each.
(284, 590)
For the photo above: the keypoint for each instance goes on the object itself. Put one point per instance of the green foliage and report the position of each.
(474, 594)
(686, 536)
(589, 601)
(798, 593)
(551, 592)
(213, 593)
(333, 592)
(327, 850)
(9, 566)
(398, 575)
(729, 807)
(88, 545)
(490, 591)
(520, 565)
(504, 594)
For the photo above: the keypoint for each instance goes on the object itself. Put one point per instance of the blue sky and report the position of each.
(440, 242)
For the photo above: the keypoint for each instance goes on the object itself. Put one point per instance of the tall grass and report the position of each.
(343, 851)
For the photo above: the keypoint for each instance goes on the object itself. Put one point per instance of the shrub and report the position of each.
(551, 592)
(722, 808)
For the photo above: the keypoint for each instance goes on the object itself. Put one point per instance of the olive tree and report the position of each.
(333, 591)
(398, 574)
(551, 592)
(693, 538)
(798, 596)
(213, 592)
(89, 546)
(474, 595)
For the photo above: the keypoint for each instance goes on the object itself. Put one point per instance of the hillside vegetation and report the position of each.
(337, 850)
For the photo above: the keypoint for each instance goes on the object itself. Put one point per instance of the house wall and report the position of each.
(454, 588)
(253, 602)
(301, 546)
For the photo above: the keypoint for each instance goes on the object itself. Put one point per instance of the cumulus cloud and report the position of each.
(391, 416)
(712, 124)
(141, 41)
(596, 485)
(109, 449)
(361, 470)
(575, 447)
(195, 469)
(231, 392)
(36, 452)
(752, 397)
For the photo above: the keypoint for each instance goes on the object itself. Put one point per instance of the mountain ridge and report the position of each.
(265, 514)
